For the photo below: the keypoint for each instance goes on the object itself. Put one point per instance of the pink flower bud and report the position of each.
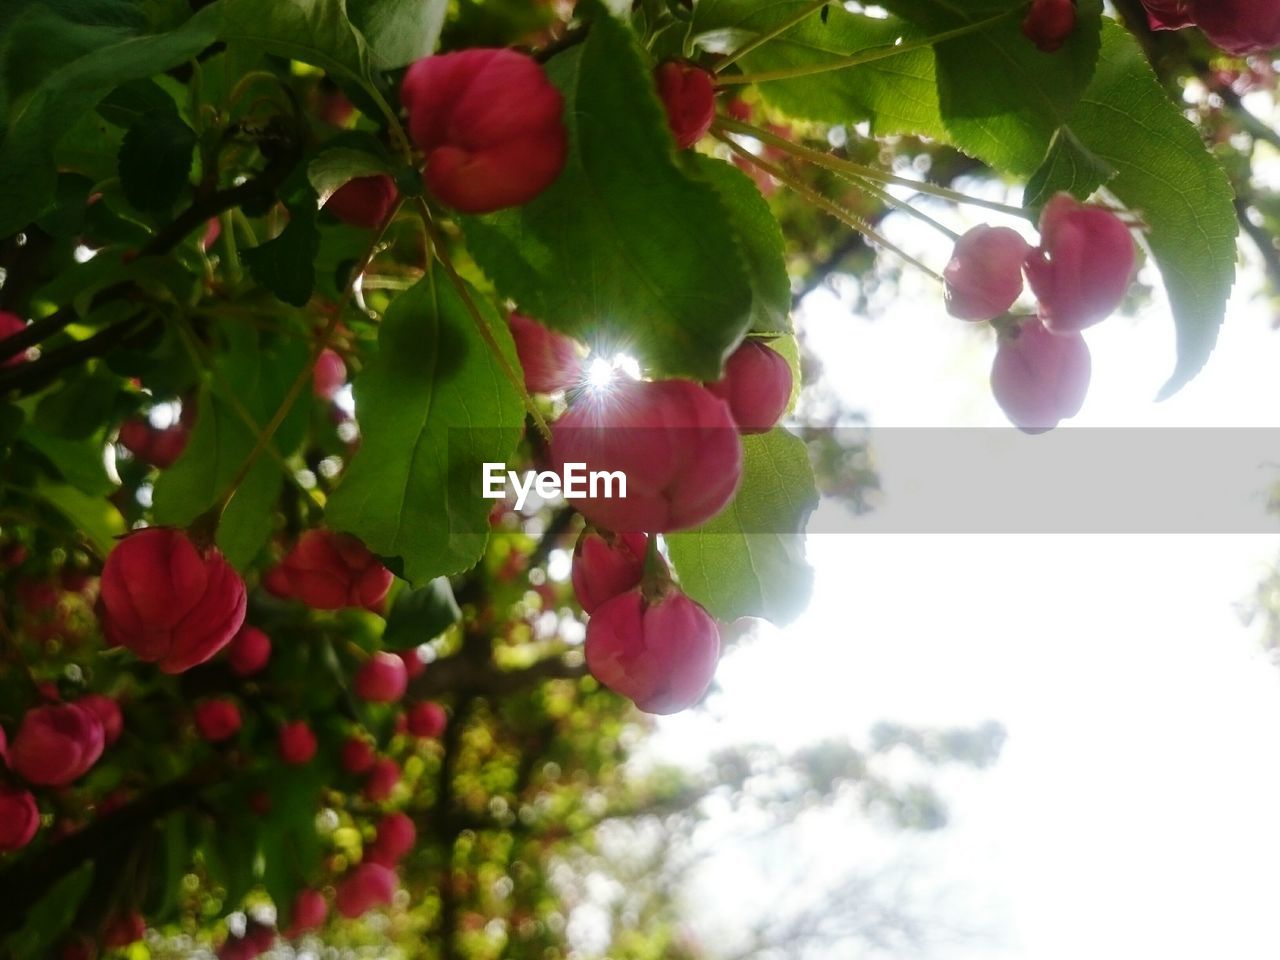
(357, 755)
(107, 710)
(1039, 378)
(756, 385)
(364, 201)
(57, 744)
(297, 743)
(661, 654)
(19, 818)
(328, 571)
(249, 651)
(328, 375)
(605, 565)
(1240, 27)
(1050, 23)
(217, 720)
(675, 442)
(984, 276)
(382, 679)
(414, 665)
(11, 323)
(426, 720)
(489, 122)
(550, 360)
(123, 929)
(688, 94)
(367, 886)
(309, 912)
(382, 780)
(396, 837)
(168, 602)
(1083, 266)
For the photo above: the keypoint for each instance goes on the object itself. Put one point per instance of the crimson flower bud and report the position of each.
(414, 665)
(382, 780)
(11, 323)
(168, 602)
(426, 720)
(550, 360)
(1083, 266)
(19, 819)
(1040, 378)
(297, 743)
(159, 448)
(1050, 23)
(1240, 27)
(328, 571)
(249, 651)
(309, 912)
(80, 948)
(688, 94)
(328, 375)
(217, 720)
(756, 385)
(489, 122)
(675, 442)
(57, 744)
(382, 679)
(364, 201)
(367, 886)
(357, 755)
(123, 929)
(396, 837)
(107, 710)
(984, 276)
(605, 565)
(661, 654)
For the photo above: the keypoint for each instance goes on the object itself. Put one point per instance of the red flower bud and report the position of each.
(489, 122)
(1040, 378)
(605, 565)
(123, 929)
(550, 360)
(1240, 27)
(11, 323)
(396, 837)
(688, 94)
(364, 201)
(328, 571)
(168, 602)
(1050, 23)
(249, 651)
(1083, 266)
(357, 755)
(309, 912)
(426, 720)
(756, 385)
(297, 743)
(414, 665)
(660, 654)
(382, 679)
(57, 744)
(107, 710)
(328, 375)
(158, 448)
(217, 720)
(367, 886)
(19, 819)
(675, 441)
(984, 276)
(382, 780)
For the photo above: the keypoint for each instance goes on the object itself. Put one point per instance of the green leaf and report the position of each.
(420, 615)
(625, 245)
(49, 919)
(1166, 175)
(78, 461)
(897, 94)
(433, 405)
(759, 239)
(1070, 167)
(334, 166)
(155, 159)
(288, 841)
(286, 264)
(749, 560)
(27, 175)
(399, 31)
(94, 516)
(317, 32)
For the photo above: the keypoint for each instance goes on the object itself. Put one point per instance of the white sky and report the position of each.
(1136, 809)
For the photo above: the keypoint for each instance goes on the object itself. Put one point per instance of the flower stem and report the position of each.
(769, 34)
